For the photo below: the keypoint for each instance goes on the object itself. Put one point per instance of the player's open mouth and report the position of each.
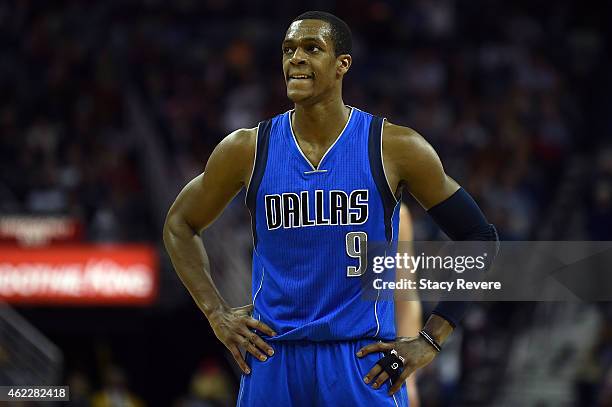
(300, 77)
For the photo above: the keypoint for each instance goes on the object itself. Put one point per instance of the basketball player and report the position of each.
(321, 180)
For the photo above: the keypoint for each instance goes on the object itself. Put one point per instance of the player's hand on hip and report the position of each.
(235, 328)
(415, 352)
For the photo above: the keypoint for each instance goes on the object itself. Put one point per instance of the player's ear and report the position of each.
(343, 63)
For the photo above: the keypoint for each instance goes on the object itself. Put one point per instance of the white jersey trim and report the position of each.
(376, 313)
(328, 149)
(263, 274)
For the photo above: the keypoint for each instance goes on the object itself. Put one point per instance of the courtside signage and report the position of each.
(79, 275)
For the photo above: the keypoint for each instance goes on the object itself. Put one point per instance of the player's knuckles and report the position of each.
(244, 310)
(232, 325)
(379, 347)
(260, 326)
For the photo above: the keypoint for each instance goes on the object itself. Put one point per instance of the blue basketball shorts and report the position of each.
(315, 374)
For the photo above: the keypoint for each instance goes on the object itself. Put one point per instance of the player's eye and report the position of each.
(313, 48)
(287, 50)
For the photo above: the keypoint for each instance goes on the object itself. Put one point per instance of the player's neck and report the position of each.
(321, 122)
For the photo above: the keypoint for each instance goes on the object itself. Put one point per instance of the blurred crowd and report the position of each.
(210, 386)
(598, 197)
(480, 81)
(498, 88)
(62, 127)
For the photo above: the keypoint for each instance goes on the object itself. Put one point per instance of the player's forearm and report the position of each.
(191, 264)
(461, 219)
(438, 327)
(408, 318)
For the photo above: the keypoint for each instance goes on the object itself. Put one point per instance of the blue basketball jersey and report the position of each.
(310, 226)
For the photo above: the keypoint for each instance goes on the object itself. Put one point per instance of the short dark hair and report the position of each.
(340, 31)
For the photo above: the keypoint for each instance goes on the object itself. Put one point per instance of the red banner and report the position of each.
(79, 275)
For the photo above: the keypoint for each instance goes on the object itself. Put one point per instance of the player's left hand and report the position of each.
(415, 351)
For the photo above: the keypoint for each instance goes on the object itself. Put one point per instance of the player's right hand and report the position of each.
(235, 329)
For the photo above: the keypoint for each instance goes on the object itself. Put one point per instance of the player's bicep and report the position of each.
(203, 199)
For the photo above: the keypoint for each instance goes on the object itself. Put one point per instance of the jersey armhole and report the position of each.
(382, 161)
(254, 161)
(257, 173)
(375, 155)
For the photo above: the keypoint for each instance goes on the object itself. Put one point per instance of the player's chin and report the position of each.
(297, 96)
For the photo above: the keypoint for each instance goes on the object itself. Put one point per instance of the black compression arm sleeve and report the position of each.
(461, 219)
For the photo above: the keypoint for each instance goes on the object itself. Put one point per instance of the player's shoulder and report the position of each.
(242, 136)
(241, 141)
(407, 154)
(401, 139)
(236, 152)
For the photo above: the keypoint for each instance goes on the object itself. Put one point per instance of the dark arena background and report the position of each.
(108, 108)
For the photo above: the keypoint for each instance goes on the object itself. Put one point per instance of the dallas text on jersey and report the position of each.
(292, 210)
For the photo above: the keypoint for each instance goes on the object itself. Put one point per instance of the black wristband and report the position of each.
(431, 340)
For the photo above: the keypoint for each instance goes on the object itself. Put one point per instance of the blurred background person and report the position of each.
(115, 391)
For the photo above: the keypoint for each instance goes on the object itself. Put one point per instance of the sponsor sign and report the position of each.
(79, 275)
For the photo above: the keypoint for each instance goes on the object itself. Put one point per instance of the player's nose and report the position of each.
(298, 57)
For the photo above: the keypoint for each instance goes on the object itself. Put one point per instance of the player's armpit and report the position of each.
(410, 160)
